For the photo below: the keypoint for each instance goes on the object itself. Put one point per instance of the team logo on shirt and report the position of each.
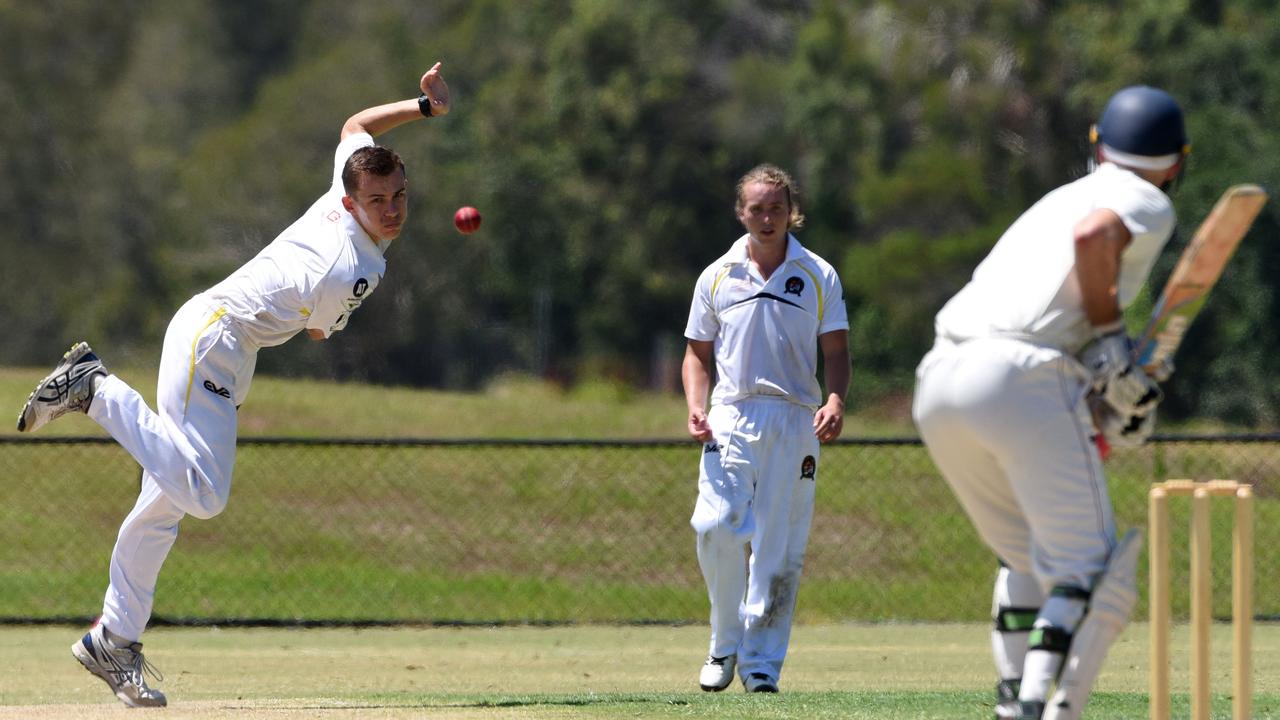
(360, 288)
(808, 467)
(794, 286)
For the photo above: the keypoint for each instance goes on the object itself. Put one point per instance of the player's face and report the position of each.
(765, 212)
(380, 205)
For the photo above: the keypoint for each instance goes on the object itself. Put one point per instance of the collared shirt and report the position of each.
(765, 332)
(1027, 286)
(313, 275)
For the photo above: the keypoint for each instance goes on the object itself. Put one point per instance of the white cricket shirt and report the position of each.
(313, 275)
(1027, 286)
(766, 332)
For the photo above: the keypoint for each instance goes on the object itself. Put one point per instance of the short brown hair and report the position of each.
(371, 160)
(777, 177)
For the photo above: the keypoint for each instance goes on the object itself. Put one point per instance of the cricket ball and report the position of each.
(467, 220)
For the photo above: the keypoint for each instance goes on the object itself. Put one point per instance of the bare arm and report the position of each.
(1100, 238)
(696, 374)
(381, 118)
(828, 422)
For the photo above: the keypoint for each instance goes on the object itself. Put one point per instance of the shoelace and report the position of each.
(135, 669)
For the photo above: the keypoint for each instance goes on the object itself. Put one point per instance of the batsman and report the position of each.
(311, 277)
(1030, 360)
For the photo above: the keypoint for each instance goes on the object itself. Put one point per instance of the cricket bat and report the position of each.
(1200, 266)
(1196, 272)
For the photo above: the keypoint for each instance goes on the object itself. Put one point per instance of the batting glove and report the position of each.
(1123, 430)
(1124, 386)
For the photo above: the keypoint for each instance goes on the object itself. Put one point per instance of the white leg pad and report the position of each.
(1113, 599)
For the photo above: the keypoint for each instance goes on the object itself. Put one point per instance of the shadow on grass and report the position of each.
(572, 701)
(512, 702)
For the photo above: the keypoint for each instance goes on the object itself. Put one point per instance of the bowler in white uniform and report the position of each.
(311, 277)
(759, 316)
(1031, 360)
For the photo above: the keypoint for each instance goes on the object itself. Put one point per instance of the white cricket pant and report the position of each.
(751, 491)
(186, 449)
(1007, 425)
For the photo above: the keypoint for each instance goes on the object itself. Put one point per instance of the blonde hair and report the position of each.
(777, 177)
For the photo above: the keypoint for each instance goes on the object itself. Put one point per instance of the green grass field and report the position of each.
(511, 407)
(306, 525)
(886, 672)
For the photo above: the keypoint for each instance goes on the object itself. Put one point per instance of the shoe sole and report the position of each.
(713, 688)
(59, 370)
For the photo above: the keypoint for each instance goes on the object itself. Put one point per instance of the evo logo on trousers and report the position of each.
(217, 390)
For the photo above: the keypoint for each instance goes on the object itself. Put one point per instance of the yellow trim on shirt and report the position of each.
(716, 283)
(191, 374)
(822, 306)
(305, 313)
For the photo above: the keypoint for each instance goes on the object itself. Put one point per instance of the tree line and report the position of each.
(153, 147)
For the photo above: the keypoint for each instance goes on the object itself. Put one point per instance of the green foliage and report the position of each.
(153, 147)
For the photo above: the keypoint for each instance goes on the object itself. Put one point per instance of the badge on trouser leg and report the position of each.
(1113, 599)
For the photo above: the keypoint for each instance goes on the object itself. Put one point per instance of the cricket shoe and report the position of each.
(68, 388)
(717, 673)
(1007, 705)
(121, 667)
(1030, 710)
(759, 683)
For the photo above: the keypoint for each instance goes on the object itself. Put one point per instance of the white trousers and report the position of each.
(186, 450)
(1007, 425)
(756, 487)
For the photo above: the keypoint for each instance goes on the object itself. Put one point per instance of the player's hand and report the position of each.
(1119, 382)
(1122, 430)
(436, 90)
(699, 428)
(829, 420)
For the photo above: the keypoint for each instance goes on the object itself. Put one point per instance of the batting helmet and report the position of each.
(1142, 120)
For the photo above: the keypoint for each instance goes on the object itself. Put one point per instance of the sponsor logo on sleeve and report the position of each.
(219, 391)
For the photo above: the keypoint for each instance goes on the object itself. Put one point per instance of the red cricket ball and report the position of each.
(467, 220)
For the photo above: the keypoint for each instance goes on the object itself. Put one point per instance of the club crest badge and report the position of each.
(808, 467)
(794, 286)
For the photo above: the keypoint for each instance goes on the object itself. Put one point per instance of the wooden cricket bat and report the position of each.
(1193, 277)
(1196, 272)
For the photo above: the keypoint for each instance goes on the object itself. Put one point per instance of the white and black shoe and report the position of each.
(68, 388)
(759, 683)
(717, 673)
(1007, 705)
(1030, 710)
(121, 667)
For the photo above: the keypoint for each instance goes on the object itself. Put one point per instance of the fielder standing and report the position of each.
(759, 315)
(1030, 357)
(311, 277)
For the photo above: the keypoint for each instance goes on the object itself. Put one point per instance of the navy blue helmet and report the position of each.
(1142, 120)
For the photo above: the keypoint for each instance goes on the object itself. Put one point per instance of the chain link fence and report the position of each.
(542, 532)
